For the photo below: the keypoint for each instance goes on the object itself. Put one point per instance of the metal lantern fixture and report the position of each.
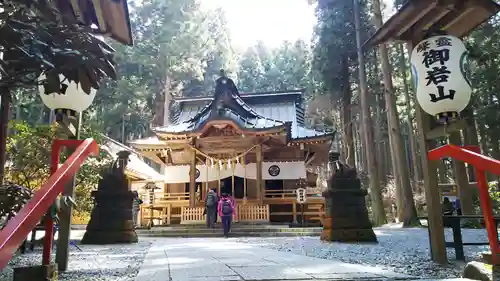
(70, 100)
(439, 66)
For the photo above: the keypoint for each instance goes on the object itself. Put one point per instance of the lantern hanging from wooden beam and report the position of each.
(440, 70)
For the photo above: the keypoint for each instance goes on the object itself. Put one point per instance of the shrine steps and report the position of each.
(196, 231)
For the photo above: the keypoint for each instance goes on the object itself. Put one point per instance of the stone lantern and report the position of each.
(346, 216)
(111, 221)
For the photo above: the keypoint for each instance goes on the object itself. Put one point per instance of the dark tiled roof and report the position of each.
(197, 121)
(262, 110)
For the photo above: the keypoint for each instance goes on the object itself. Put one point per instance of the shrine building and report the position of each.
(253, 146)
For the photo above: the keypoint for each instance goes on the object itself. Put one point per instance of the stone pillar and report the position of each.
(111, 221)
(346, 216)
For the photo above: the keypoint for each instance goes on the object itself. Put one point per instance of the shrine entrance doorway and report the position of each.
(226, 186)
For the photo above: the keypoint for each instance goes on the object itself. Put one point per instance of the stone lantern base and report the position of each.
(36, 273)
(346, 216)
(111, 221)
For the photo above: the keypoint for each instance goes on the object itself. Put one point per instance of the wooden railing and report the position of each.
(175, 196)
(192, 215)
(253, 213)
(285, 193)
(18, 228)
(165, 198)
(244, 213)
(162, 199)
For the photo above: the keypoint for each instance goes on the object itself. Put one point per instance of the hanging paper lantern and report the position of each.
(439, 67)
(70, 100)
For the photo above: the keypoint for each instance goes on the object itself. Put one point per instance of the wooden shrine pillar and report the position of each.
(430, 179)
(259, 185)
(232, 185)
(245, 178)
(192, 181)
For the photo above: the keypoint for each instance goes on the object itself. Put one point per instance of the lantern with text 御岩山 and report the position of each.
(439, 66)
(69, 100)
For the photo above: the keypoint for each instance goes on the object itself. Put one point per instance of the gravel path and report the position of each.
(401, 250)
(96, 263)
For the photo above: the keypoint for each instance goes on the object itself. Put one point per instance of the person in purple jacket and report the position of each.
(226, 210)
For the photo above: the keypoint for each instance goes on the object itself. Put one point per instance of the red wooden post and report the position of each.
(484, 195)
(49, 222)
(486, 206)
(472, 155)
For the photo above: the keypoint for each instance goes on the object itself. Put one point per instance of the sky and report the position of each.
(272, 21)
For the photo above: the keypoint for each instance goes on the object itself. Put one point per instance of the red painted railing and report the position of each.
(471, 155)
(18, 228)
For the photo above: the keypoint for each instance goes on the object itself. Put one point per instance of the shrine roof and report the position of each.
(136, 165)
(154, 140)
(109, 17)
(203, 116)
(248, 111)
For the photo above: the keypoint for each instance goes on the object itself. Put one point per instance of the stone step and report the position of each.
(239, 231)
(235, 224)
(237, 228)
(232, 234)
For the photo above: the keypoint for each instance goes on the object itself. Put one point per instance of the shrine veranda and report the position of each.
(255, 147)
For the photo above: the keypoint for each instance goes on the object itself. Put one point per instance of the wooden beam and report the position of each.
(430, 178)
(245, 178)
(67, 125)
(169, 157)
(444, 130)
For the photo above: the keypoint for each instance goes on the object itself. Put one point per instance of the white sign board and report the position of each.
(301, 195)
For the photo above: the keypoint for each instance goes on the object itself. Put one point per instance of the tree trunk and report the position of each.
(397, 182)
(460, 173)
(378, 212)
(470, 137)
(376, 101)
(483, 141)
(411, 133)
(4, 126)
(347, 115)
(379, 143)
(397, 147)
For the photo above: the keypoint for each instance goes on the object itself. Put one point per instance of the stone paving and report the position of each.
(218, 259)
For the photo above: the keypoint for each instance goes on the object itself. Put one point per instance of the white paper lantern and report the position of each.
(439, 67)
(74, 97)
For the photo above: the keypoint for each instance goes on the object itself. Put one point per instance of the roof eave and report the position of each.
(209, 123)
(319, 138)
(415, 18)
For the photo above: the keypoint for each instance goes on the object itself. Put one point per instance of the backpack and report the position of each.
(226, 207)
(211, 200)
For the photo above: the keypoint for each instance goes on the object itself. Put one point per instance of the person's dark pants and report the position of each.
(211, 217)
(226, 224)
